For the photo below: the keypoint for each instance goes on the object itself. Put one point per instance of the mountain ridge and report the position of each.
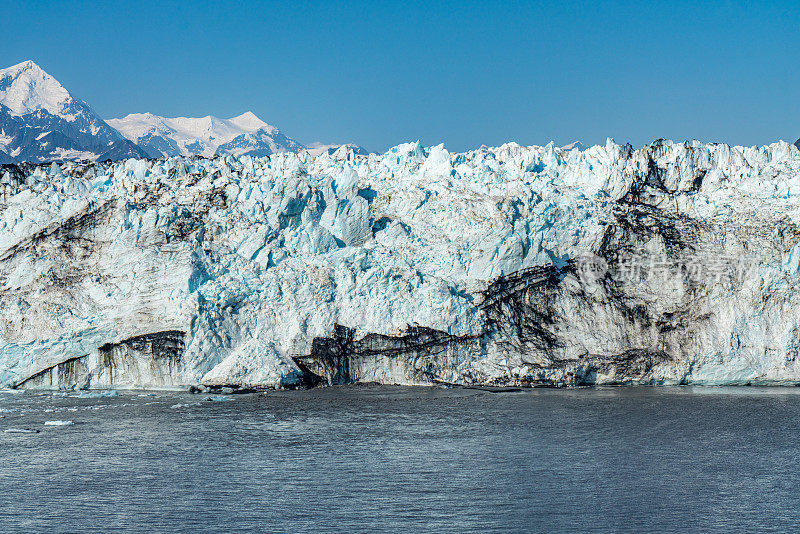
(206, 136)
(41, 121)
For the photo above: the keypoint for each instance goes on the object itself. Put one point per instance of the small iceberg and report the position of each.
(58, 423)
(184, 405)
(217, 399)
(98, 394)
(21, 431)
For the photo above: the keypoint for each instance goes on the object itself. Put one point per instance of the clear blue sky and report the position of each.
(462, 73)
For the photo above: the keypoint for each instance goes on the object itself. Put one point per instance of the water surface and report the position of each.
(370, 458)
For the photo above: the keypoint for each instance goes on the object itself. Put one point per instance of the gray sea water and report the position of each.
(368, 458)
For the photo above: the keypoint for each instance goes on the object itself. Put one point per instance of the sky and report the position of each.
(459, 73)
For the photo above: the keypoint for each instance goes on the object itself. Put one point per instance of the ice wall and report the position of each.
(676, 263)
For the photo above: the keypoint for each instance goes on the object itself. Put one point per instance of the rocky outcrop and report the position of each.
(511, 266)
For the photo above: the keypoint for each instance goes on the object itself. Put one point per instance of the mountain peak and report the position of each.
(249, 121)
(27, 65)
(575, 145)
(43, 122)
(26, 88)
(317, 148)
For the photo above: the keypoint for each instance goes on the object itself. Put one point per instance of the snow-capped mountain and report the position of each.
(315, 149)
(575, 145)
(205, 136)
(41, 121)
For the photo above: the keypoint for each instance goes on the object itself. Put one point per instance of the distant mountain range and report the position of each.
(575, 145)
(41, 121)
(318, 148)
(206, 136)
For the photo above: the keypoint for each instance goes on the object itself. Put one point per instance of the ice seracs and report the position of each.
(673, 264)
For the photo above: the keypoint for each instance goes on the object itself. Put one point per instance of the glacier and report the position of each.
(506, 266)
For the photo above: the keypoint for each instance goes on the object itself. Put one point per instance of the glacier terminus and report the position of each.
(677, 263)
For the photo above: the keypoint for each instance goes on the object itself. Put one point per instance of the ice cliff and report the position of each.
(676, 263)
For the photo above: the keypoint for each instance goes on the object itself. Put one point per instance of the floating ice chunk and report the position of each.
(252, 363)
(21, 431)
(184, 405)
(58, 423)
(98, 394)
(217, 399)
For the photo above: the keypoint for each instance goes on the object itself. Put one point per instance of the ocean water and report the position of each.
(369, 458)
